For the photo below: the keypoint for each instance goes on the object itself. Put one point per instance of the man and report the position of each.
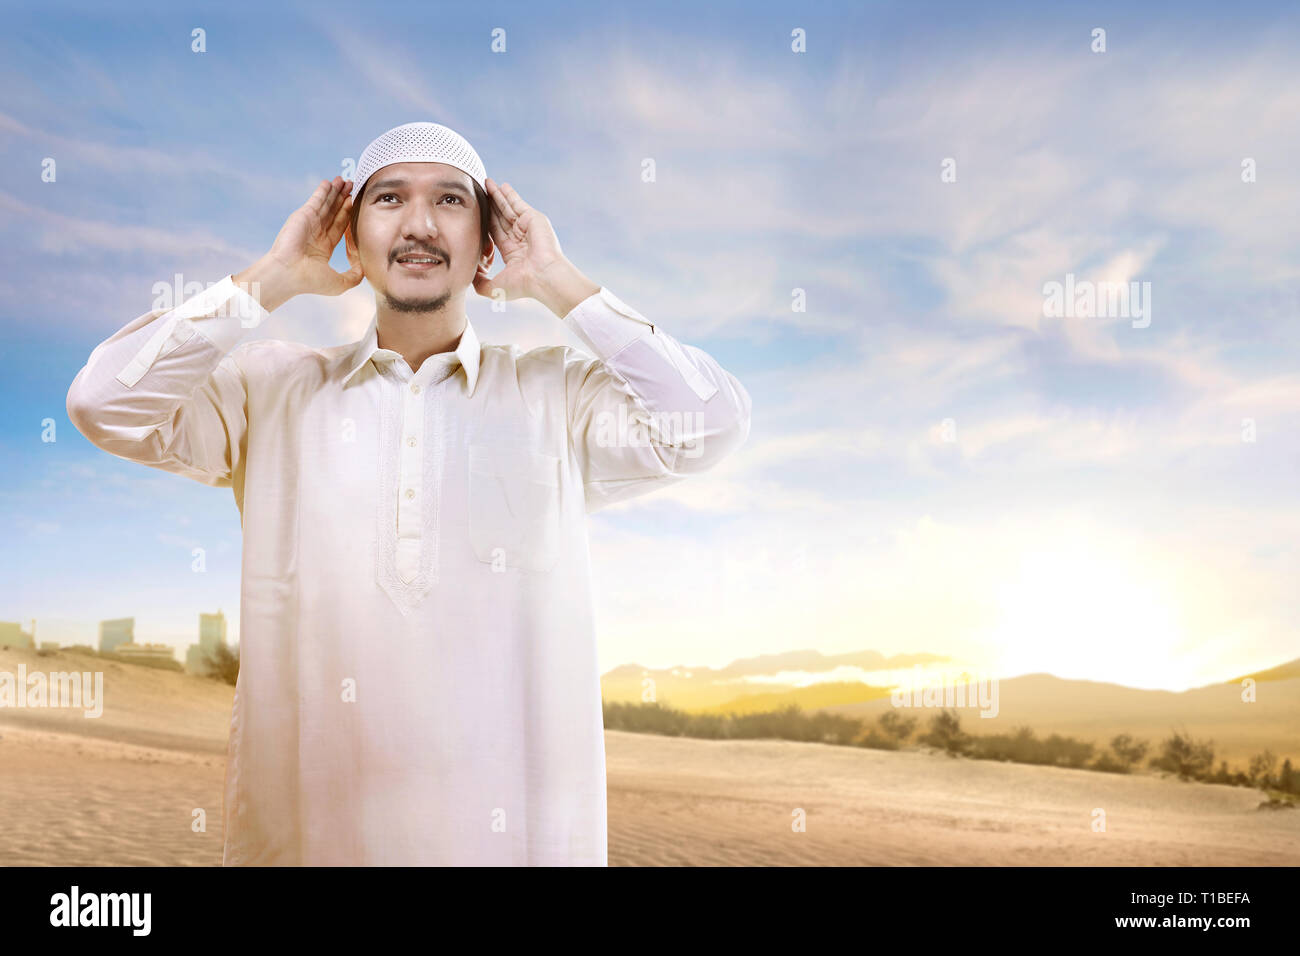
(418, 679)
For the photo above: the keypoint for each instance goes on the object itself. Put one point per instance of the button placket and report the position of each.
(410, 468)
(411, 491)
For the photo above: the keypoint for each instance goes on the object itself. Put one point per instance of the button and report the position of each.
(410, 492)
(415, 389)
(411, 441)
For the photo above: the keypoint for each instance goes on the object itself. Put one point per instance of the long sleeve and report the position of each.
(165, 391)
(648, 410)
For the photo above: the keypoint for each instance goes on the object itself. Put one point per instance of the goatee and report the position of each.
(434, 304)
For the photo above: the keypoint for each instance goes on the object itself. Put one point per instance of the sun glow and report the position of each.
(1085, 608)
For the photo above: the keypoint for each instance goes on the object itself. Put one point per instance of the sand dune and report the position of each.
(69, 800)
(679, 801)
(122, 790)
(142, 705)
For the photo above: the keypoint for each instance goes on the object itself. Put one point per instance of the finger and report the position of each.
(339, 192)
(323, 206)
(333, 195)
(315, 202)
(338, 223)
(521, 211)
(517, 206)
(523, 224)
(507, 212)
(499, 222)
(506, 205)
(497, 228)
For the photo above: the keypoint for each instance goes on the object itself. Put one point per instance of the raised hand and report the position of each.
(299, 260)
(309, 237)
(528, 244)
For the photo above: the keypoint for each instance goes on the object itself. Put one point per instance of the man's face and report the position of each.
(419, 209)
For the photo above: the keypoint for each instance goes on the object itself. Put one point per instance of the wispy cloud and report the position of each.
(923, 431)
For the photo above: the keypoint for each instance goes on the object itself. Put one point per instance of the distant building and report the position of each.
(146, 652)
(12, 635)
(212, 635)
(116, 632)
(212, 631)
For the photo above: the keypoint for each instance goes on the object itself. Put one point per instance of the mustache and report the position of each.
(421, 250)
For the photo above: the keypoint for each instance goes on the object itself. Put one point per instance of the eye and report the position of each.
(455, 197)
(385, 195)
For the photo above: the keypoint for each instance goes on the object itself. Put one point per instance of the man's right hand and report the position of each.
(299, 260)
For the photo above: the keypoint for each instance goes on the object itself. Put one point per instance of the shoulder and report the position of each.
(262, 357)
(546, 365)
(540, 360)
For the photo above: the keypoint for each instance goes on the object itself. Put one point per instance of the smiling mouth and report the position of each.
(419, 263)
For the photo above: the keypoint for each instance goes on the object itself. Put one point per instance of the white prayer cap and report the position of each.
(419, 143)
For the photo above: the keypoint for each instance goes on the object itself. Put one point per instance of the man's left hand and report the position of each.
(535, 266)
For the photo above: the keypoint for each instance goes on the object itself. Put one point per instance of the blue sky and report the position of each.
(1092, 509)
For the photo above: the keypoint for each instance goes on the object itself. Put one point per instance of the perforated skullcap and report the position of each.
(419, 143)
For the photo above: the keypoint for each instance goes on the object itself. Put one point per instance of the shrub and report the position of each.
(1190, 759)
(876, 740)
(946, 734)
(223, 665)
(896, 727)
(1261, 769)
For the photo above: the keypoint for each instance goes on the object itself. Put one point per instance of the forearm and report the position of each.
(562, 286)
(267, 282)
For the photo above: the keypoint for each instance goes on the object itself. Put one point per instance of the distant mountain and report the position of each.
(1282, 672)
(821, 696)
(734, 687)
(1090, 710)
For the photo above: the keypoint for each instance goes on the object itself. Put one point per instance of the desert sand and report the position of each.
(677, 801)
(122, 790)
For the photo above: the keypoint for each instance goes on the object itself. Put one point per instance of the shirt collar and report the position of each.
(467, 352)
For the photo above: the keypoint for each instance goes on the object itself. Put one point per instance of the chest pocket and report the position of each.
(514, 506)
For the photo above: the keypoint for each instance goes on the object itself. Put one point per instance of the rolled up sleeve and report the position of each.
(167, 390)
(647, 410)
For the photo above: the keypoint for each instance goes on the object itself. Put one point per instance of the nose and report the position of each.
(418, 225)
